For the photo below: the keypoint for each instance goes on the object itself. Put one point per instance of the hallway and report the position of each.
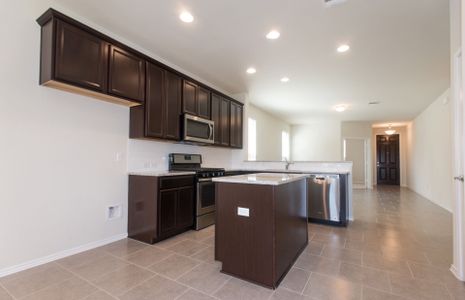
(399, 247)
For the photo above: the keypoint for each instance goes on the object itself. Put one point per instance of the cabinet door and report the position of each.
(225, 121)
(236, 125)
(189, 98)
(203, 102)
(81, 58)
(185, 208)
(173, 106)
(167, 211)
(127, 75)
(215, 116)
(154, 102)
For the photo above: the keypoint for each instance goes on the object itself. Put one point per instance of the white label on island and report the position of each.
(242, 211)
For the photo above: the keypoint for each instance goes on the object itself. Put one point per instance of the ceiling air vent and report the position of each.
(330, 3)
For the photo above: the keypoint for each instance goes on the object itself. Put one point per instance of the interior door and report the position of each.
(387, 159)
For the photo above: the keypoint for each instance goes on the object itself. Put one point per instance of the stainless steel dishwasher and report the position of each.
(326, 199)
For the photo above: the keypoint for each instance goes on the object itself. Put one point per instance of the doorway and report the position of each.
(355, 150)
(387, 159)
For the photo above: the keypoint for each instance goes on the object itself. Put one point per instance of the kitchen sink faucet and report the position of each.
(288, 163)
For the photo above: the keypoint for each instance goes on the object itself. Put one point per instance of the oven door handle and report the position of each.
(204, 180)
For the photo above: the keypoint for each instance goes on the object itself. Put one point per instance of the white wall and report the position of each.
(316, 141)
(429, 153)
(58, 171)
(269, 130)
(404, 160)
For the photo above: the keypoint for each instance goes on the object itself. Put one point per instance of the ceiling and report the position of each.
(399, 50)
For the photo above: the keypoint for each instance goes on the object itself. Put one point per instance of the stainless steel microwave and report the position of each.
(198, 130)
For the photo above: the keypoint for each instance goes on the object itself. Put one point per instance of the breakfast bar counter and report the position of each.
(261, 225)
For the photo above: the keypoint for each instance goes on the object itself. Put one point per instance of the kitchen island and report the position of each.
(261, 225)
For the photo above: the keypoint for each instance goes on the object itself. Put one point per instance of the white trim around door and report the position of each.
(458, 266)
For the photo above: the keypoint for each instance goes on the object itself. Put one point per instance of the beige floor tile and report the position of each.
(200, 235)
(165, 244)
(417, 289)
(124, 247)
(314, 248)
(158, 288)
(205, 278)
(367, 276)
(194, 295)
(387, 264)
(70, 289)
(295, 280)
(123, 279)
(74, 261)
(187, 247)
(4, 294)
(99, 295)
(148, 256)
(27, 282)
(174, 266)
(332, 288)
(457, 290)
(431, 273)
(373, 294)
(239, 289)
(285, 294)
(99, 267)
(329, 239)
(319, 229)
(209, 241)
(313, 263)
(347, 255)
(206, 255)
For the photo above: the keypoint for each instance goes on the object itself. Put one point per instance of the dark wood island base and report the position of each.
(260, 247)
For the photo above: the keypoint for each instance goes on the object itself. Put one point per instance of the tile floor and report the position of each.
(399, 247)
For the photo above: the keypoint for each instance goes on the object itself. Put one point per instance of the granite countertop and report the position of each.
(262, 178)
(160, 173)
(308, 172)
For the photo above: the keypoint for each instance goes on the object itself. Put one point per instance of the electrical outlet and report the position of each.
(114, 212)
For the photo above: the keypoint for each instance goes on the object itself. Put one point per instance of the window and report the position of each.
(252, 139)
(285, 145)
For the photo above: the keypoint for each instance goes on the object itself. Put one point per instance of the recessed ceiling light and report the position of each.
(285, 79)
(343, 48)
(186, 17)
(273, 35)
(340, 108)
(251, 71)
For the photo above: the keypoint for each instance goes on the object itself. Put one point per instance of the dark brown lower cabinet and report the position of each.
(160, 207)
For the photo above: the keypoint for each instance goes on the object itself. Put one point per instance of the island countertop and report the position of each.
(262, 178)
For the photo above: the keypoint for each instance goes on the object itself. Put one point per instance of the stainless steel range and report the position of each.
(205, 188)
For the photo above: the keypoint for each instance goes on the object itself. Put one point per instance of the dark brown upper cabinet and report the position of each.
(189, 98)
(161, 115)
(203, 102)
(81, 58)
(236, 125)
(196, 100)
(155, 102)
(126, 75)
(173, 98)
(76, 58)
(220, 115)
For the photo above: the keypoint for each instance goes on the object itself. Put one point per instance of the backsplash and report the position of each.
(153, 155)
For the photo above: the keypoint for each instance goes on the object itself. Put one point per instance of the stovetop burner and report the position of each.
(192, 162)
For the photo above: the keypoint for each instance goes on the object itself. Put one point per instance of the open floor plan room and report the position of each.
(163, 150)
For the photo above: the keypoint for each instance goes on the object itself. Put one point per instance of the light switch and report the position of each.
(242, 211)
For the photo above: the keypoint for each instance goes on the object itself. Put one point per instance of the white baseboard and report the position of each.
(59, 255)
(454, 271)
